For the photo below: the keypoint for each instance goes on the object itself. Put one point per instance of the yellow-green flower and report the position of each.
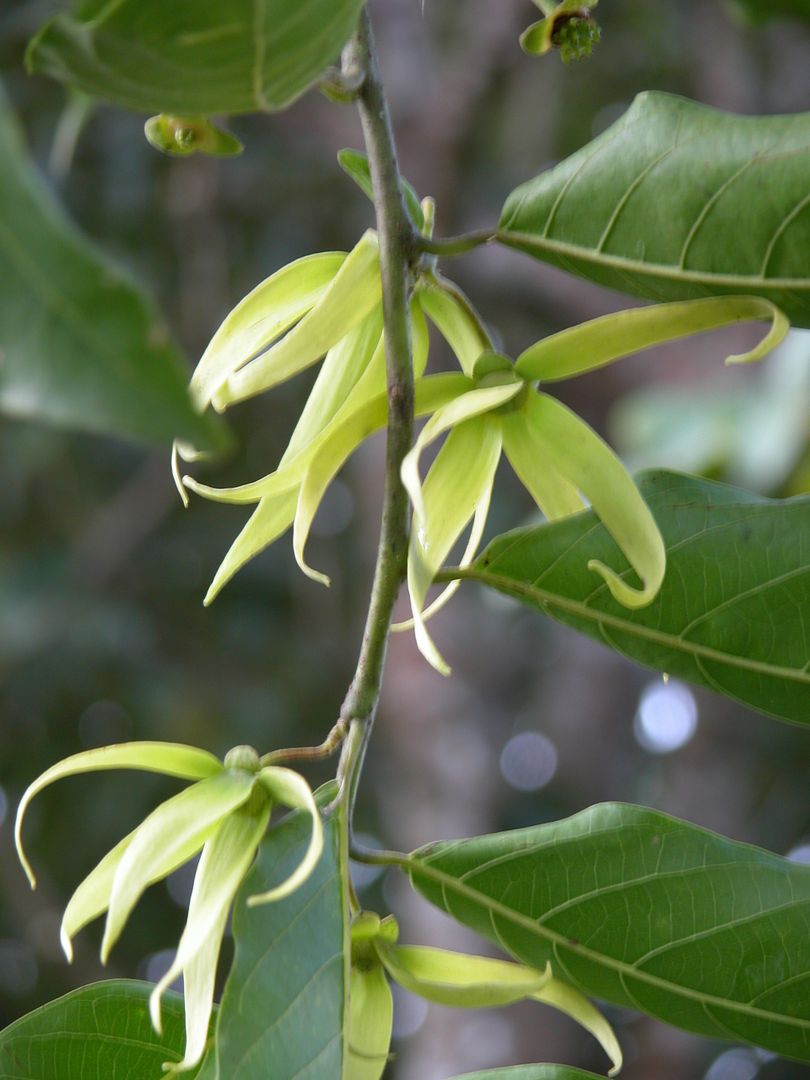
(224, 815)
(561, 461)
(447, 978)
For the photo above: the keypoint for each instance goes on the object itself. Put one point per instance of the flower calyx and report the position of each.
(570, 29)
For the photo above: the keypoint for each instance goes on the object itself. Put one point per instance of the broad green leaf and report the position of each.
(171, 759)
(282, 1011)
(194, 56)
(645, 911)
(677, 201)
(531, 1072)
(96, 1033)
(732, 611)
(81, 346)
(355, 164)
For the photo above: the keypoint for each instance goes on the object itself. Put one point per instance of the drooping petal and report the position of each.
(225, 860)
(574, 1004)
(453, 315)
(601, 341)
(446, 595)
(451, 978)
(343, 367)
(431, 393)
(172, 834)
(555, 496)
(459, 482)
(588, 463)
(272, 517)
(92, 897)
(464, 407)
(199, 979)
(371, 1016)
(353, 292)
(306, 440)
(172, 759)
(289, 788)
(271, 308)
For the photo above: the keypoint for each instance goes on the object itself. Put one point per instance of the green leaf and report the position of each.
(645, 911)
(653, 206)
(732, 613)
(283, 1006)
(96, 1033)
(194, 56)
(531, 1072)
(355, 164)
(80, 345)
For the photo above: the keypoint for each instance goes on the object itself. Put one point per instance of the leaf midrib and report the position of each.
(446, 881)
(657, 637)
(661, 270)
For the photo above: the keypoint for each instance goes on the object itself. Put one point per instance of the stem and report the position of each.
(456, 245)
(397, 256)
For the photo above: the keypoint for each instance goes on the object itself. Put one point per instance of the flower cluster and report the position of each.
(329, 306)
(446, 978)
(224, 815)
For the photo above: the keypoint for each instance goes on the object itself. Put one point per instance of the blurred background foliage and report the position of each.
(102, 633)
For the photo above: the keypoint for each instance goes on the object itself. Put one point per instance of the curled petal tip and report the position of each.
(154, 1009)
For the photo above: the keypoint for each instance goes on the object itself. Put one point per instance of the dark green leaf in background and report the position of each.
(645, 911)
(282, 1009)
(759, 10)
(195, 56)
(733, 614)
(79, 345)
(101, 1032)
(677, 201)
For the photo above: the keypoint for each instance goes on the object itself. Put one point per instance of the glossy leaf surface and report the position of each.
(645, 911)
(733, 613)
(282, 1009)
(194, 56)
(95, 1033)
(80, 345)
(653, 206)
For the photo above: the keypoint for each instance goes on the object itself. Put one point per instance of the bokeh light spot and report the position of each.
(528, 761)
(667, 717)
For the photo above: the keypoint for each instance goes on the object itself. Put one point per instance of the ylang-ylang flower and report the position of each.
(445, 978)
(329, 307)
(223, 815)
